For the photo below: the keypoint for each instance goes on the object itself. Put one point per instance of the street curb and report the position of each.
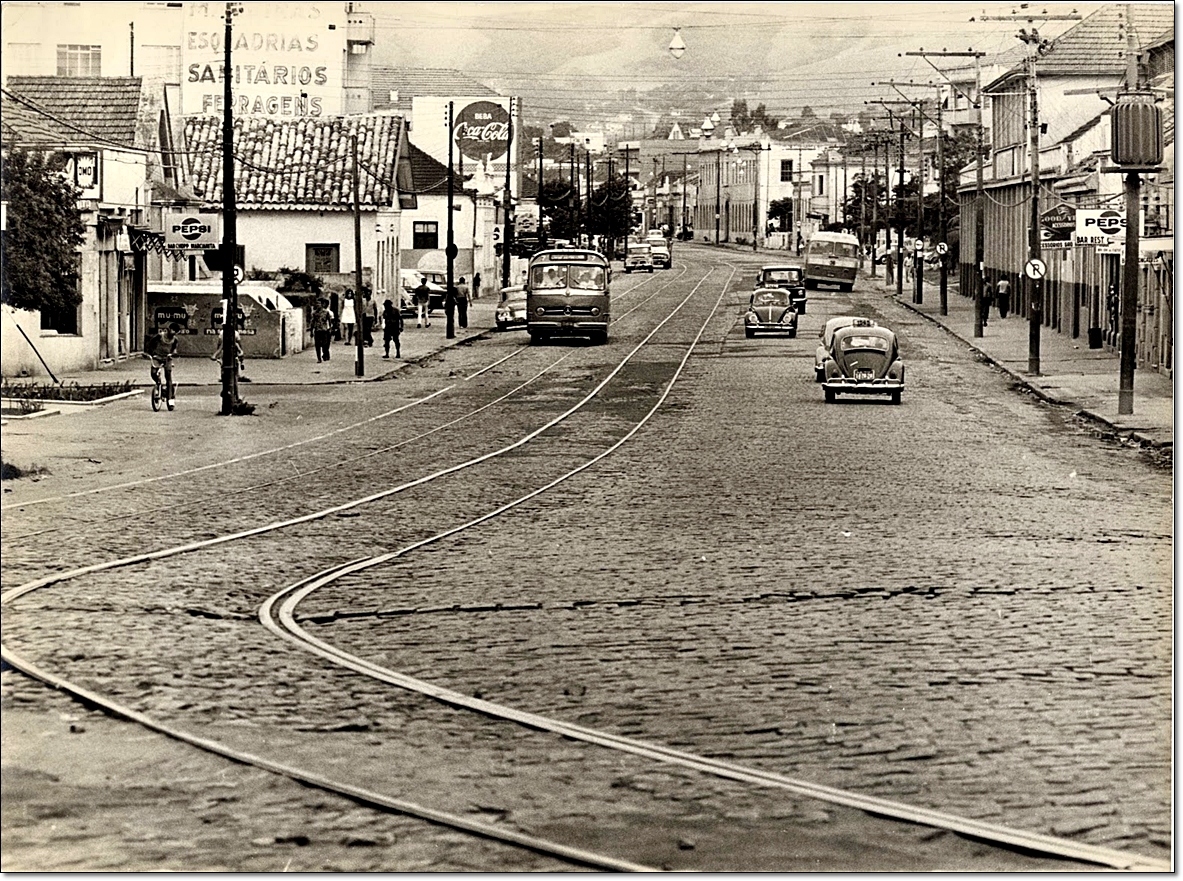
(1040, 393)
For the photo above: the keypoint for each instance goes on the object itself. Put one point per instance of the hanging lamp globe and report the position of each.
(677, 47)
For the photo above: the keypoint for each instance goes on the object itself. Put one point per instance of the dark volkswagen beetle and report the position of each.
(770, 310)
(864, 359)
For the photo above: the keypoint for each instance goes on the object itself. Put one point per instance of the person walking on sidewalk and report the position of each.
(348, 317)
(889, 264)
(422, 303)
(1002, 294)
(369, 317)
(392, 328)
(987, 300)
(462, 298)
(322, 328)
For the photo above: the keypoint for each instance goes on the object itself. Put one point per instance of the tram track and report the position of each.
(281, 608)
(225, 495)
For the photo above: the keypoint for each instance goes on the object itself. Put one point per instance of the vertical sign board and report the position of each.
(481, 129)
(288, 58)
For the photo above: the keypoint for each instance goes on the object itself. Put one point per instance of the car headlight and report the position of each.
(595, 310)
(540, 311)
(751, 318)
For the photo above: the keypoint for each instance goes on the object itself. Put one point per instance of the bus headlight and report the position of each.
(540, 311)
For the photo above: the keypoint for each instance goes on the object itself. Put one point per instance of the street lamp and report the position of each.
(677, 47)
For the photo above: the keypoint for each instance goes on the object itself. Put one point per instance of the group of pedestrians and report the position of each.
(455, 298)
(997, 294)
(326, 325)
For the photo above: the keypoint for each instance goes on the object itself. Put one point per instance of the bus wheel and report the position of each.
(535, 337)
(810, 284)
(846, 288)
(599, 337)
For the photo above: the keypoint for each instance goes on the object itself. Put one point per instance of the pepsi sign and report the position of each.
(192, 231)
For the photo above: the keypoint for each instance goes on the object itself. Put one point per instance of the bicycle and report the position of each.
(159, 394)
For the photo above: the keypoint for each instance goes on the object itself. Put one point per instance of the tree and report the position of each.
(558, 204)
(782, 210)
(807, 112)
(609, 213)
(762, 118)
(45, 230)
(741, 120)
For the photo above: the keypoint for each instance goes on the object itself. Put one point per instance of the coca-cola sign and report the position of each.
(482, 131)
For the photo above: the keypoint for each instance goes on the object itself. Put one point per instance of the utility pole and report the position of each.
(1035, 308)
(943, 258)
(541, 222)
(918, 243)
(507, 198)
(359, 363)
(684, 160)
(979, 197)
(874, 204)
(862, 221)
(899, 231)
(229, 237)
(573, 197)
(718, 189)
(450, 250)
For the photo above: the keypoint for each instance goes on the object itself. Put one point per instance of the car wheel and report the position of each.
(895, 397)
(793, 334)
(846, 288)
(627, 270)
(501, 325)
(818, 374)
(810, 284)
(748, 333)
(831, 396)
(801, 308)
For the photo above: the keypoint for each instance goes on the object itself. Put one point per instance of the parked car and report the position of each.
(826, 339)
(436, 283)
(511, 311)
(864, 359)
(661, 254)
(770, 310)
(638, 256)
(784, 275)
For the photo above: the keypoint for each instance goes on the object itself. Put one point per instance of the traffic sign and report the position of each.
(497, 234)
(919, 246)
(942, 248)
(239, 274)
(1035, 269)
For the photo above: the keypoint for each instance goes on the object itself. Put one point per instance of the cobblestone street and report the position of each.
(962, 603)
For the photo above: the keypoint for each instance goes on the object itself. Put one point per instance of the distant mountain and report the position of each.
(591, 61)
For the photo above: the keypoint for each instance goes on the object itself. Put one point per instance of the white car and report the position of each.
(511, 311)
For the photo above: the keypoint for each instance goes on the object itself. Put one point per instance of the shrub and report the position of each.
(26, 391)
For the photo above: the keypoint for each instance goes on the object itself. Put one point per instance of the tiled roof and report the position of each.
(429, 174)
(24, 125)
(301, 164)
(414, 82)
(1097, 45)
(102, 108)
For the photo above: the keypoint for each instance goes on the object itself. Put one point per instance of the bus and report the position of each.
(831, 258)
(567, 295)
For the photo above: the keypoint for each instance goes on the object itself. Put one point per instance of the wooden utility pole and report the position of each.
(450, 250)
(508, 233)
(229, 237)
(1035, 247)
(359, 364)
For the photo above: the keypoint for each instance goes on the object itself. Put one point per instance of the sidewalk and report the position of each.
(302, 368)
(1070, 372)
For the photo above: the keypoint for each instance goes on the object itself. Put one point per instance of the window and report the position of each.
(79, 60)
(821, 185)
(322, 259)
(786, 171)
(427, 235)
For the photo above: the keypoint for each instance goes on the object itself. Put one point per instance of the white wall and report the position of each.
(277, 239)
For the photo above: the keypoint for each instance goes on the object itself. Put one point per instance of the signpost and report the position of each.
(1035, 269)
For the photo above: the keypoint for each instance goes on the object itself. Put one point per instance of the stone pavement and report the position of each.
(1070, 372)
(302, 368)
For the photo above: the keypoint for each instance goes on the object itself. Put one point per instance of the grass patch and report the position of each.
(27, 391)
(8, 471)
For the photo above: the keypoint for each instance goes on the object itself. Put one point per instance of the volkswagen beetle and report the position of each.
(770, 310)
(864, 359)
(826, 339)
(784, 275)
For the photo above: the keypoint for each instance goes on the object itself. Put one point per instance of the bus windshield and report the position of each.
(551, 277)
(832, 249)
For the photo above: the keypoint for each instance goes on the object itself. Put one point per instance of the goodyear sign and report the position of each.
(1057, 224)
(192, 231)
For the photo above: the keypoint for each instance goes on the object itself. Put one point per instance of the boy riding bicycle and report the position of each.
(160, 349)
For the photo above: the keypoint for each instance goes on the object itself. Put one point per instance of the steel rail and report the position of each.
(45, 581)
(358, 794)
(239, 459)
(290, 629)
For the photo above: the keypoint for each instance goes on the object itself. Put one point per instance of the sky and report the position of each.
(826, 55)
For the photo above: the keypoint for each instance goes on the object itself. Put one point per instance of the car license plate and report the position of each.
(863, 373)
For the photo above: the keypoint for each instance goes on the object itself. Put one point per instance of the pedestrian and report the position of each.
(987, 300)
(1002, 295)
(889, 264)
(241, 357)
(392, 328)
(908, 266)
(451, 294)
(322, 328)
(422, 303)
(800, 242)
(462, 298)
(348, 316)
(369, 317)
(335, 308)
(476, 286)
